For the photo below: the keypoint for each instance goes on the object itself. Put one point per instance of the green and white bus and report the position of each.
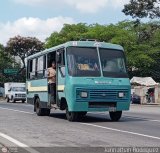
(90, 76)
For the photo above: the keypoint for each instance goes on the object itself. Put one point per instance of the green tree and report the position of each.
(141, 42)
(23, 47)
(142, 9)
(147, 47)
(6, 61)
(68, 33)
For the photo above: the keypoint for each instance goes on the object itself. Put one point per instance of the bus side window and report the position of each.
(45, 73)
(32, 69)
(50, 58)
(61, 62)
(61, 58)
(40, 62)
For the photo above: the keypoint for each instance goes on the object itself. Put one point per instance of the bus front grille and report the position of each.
(107, 94)
(104, 95)
(20, 95)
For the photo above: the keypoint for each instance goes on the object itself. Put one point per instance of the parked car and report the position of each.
(15, 91)
(136, 99)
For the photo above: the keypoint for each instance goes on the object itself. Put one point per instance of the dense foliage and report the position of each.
(17, 47)
(23, 47)
(143, 8)
(141, 42)
(6, 61)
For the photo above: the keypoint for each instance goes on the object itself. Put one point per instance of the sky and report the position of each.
(39, 18)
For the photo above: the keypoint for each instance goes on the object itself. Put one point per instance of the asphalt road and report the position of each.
(21, 130)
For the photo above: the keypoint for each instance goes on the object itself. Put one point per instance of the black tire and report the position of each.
(71, 116)
(41, 111)
(23, 101)
(81, 115)
(35, 107)
(12, 100)
(47, 111)
(115, 116)
(8, 99)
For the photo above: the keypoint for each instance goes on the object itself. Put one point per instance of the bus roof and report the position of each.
(79, 44)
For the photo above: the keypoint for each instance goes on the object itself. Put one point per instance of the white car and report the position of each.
(15, 92)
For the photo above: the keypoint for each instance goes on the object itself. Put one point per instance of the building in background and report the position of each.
(146, 88)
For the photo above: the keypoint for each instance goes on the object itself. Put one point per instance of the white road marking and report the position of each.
(122, 131)
(18, 143)
(16, 110)
(155, 120)
(145, 119)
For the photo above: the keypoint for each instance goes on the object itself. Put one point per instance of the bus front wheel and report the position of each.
(115, 116)
(71, 116)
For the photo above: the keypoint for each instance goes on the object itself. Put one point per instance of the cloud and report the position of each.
(85, 6)
(35, 2)
(118, 3)
(33, 27)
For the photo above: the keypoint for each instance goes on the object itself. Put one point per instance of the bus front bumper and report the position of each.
(100, 106)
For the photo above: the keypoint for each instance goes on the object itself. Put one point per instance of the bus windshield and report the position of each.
(83, 61)
(113, 63)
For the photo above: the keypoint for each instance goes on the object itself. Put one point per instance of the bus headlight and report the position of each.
(84, 94)
(121, 94)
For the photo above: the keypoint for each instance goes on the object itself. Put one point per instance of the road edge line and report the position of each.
(18, 143)
(16, 110)
(122, 131)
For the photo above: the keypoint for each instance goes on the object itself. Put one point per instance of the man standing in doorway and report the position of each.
(52, 83)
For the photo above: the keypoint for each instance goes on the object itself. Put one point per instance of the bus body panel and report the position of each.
(60, 86)
(68, 87)
(39, 89)
(99, 90)
(78, 44)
